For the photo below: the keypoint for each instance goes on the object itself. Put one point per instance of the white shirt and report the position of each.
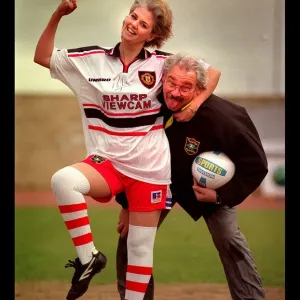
(119, 108)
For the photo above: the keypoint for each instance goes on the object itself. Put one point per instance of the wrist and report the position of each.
(198, 101)
(194, 110)
(56, 16)
(218, 199)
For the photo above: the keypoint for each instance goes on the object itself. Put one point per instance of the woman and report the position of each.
(127, 149)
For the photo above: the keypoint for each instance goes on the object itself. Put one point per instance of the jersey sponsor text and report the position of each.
(126, 105)
(126, 102)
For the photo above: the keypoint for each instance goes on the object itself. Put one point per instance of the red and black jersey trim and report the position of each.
(115, 51)
(121, 122)
(158, 52)
(88, 48)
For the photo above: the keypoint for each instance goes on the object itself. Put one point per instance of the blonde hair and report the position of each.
(163, 20)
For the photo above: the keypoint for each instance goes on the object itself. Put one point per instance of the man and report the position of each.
(218, 125)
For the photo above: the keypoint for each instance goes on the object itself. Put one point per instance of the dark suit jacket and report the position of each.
(219, 125)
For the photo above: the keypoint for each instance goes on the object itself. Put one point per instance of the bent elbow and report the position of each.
(45, 62)
(218, 74)
(214, 75)
(35, 59)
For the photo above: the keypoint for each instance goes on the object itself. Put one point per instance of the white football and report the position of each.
(212, 169)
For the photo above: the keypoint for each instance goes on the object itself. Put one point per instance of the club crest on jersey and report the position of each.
(191, 146)
(147, 78)
(97, 159)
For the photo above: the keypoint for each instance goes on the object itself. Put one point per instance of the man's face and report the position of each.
(179, 88)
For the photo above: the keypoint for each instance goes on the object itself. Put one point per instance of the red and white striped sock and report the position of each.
(140, 244)
(69, 185)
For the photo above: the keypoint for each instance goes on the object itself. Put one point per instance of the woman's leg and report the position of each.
(69, 186)
(145, 203)
(121, 264)
(140, 244)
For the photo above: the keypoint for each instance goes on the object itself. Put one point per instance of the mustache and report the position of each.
(179, 99)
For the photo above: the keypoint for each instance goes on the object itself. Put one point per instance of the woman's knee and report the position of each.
(141, 239)
(98, 184)
(69, 178)
(142, 232)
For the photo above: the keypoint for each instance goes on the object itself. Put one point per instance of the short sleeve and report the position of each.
(204, 64)
(63, 69)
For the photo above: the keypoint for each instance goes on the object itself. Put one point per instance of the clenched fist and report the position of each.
(66, 7)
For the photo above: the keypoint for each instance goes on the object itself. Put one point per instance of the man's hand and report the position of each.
(123, 223)
(204, 194)
(66, 7)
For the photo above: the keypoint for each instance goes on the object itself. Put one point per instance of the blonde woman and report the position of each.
(127, 149)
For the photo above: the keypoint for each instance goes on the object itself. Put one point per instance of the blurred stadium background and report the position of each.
(244, 39)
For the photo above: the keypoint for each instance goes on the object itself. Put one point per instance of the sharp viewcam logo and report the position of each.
(210, 166)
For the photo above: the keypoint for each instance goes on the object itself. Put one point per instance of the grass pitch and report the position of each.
(184, 251)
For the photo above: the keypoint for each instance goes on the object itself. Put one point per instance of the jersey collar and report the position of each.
(144, 54)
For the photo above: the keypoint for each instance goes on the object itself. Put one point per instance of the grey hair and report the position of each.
(189, 63)
(163, 20)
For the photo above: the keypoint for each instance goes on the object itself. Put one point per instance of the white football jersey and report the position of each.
(119, 107)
